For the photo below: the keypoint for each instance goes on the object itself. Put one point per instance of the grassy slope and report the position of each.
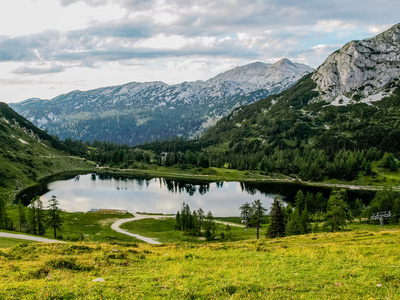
(29, 154)
(353, 265)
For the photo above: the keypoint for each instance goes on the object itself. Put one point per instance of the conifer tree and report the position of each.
(277, 227)
(209, 226)
(245, 213)
(54, 219)
(21, 215)
(32, 218)
(338, 211)
(3, 213)
(258, 216)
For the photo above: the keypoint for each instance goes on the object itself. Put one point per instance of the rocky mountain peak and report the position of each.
(361, 67)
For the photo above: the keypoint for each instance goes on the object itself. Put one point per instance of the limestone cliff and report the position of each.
(360, 68)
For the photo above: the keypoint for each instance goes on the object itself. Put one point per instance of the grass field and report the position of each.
(351, 265)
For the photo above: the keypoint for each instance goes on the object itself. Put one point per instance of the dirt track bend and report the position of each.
(115, 226)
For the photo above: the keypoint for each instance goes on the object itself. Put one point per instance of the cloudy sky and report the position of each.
(50, 47)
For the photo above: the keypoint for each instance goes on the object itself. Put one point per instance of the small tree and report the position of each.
(277, 227)
(338, 211)
(358, 207)
(245, 213)
(295, 224)
(258, 216)
(32, 218)
(200, 218)
(36, 217)
(41, 219)
(209, 226)
(21, 215)
(3, 214)
(54, 219)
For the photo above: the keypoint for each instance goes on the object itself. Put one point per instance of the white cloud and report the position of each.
(62, 43)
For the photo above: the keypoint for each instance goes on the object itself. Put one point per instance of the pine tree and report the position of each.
(21, 215)
(40, 217)
(358, 207)
(209, 226)
(338, 211)
(32, 218)
(245, 213)
(54, 219)
(295, 224)
(258, 216)
(277, 227)
(200, 216)
(3, 213)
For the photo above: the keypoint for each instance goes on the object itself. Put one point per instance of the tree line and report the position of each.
(34, 219)
(334, 212)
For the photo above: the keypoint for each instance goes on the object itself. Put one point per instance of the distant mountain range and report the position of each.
(137, 112)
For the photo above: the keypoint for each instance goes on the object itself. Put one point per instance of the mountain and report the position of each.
(28, 153)
(361, 69)
(334, 121)
(136, 112)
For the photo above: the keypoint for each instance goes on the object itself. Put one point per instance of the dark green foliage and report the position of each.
(384, 200)
(358, 208)
(295, 224)
(209, 226)
(258, 216)
(338, 211)
(53, 217)
(36, 217)
(245, 213)
(277, 227)
(191, 222)
(5, 222)
(23, 223)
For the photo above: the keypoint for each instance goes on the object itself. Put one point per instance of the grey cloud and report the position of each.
(278, 28)
(39, 71)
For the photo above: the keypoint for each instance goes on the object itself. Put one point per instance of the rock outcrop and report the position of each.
(361, 67)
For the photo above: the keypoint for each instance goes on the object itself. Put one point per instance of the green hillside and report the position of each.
(28, 154)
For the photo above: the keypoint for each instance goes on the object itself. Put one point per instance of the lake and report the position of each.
(160, 195)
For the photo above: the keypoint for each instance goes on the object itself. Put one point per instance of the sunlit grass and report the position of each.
(349, 265)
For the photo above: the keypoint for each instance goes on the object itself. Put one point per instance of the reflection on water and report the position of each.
(157, 195)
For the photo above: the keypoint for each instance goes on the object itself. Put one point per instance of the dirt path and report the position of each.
(115, 226)
(28, 237)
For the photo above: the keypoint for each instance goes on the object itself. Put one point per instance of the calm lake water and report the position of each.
(159, 195)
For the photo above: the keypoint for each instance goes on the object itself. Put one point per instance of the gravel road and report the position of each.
(115, 226)
(28, 237)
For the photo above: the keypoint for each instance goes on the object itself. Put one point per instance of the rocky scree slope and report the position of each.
(136, 112)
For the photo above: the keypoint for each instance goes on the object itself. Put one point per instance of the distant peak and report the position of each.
(284, 61)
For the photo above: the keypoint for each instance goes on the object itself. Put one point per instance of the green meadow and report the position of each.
(359, 264)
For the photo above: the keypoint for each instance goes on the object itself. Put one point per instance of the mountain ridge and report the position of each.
(156, 110)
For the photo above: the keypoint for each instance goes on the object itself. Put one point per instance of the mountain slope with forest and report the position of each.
(334, 121)
(136, 112)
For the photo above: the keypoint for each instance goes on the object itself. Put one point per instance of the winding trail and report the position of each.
(115, 226)
(28, 237)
